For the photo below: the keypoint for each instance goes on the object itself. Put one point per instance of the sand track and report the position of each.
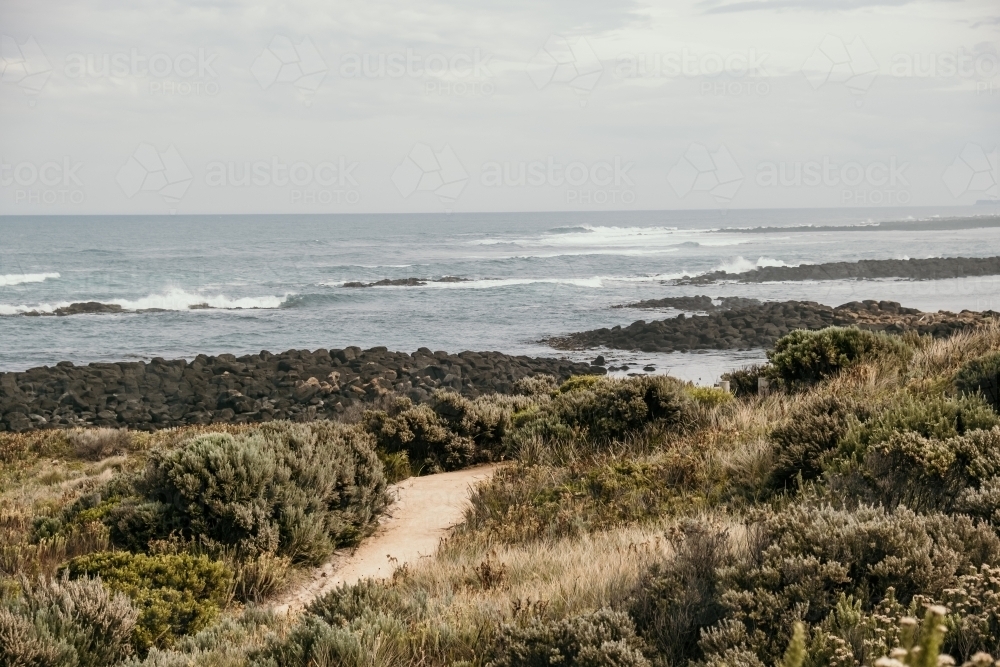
(424, 510)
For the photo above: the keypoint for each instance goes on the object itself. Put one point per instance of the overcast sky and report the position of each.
(296, 107)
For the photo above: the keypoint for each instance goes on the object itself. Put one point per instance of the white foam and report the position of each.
(172, 299)
(16, 279)
(741, 265)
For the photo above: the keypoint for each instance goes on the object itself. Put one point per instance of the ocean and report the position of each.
(276, 282)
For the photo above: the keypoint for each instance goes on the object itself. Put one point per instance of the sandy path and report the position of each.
(425, 509)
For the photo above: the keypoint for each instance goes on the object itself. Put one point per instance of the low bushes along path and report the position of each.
(424, 510)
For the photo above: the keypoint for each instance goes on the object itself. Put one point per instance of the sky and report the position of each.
(346, 107)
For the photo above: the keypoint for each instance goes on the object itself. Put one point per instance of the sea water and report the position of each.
(244, 283)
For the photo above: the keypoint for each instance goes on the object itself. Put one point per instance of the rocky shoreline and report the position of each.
(299, 384)
(935, 268)
(760, 325)
(406, 282)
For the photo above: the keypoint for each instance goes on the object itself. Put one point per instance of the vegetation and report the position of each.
(636, 522)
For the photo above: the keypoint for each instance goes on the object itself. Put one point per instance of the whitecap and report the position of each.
(17, 279)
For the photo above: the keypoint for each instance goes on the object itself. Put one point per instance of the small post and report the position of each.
(763, 386)
(724, 386)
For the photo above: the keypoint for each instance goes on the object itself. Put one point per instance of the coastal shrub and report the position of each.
(676, 599)
(257, 578)
(311, 642)
(936, 416)
(418, 431)
(298, 490)
(65, 624)
(928, 474)
(370, 640)
(804, 563)
(536, 385)
(744, 381)
(609, 409)
(395, 466)
(804, 358)
(709, 397)
(176, 594)
(597, 639)
(97, 443)
(347, 602)
(812, 429)
(981, 375)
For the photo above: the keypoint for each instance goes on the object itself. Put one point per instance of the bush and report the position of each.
(709, 397)
(804, 357)
(422, 435)
(597, 639)
(936, 417)
(675, 600)
(981, 375)
(927, 474)
(347, 602)
(97, 443)
(258, 578)
(371, 640)
(177, 594)
(609, 409)
(298, 490)
(813, 428)
(807, 562)
(743, 381)
(311, 642)
(65, 623)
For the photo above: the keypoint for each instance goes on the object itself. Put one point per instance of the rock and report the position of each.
(90, 307)
(934, 268)
(753, 324)
(599, 361)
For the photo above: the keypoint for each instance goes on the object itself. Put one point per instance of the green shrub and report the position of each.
(744, 381)
(425, 437)
(710, 397)
(597, 639)
(66, 624)
(938, 417)
(311, 642)
(298, 490)
(812, 429)
(609, 409)
(177, 594)
(804, 357)
(578, 382)
(395, 465)
(346, 602)
(371, 640)
(927, 474)
(257, 578)
(981, 375)
(808, 562)
(676, 599)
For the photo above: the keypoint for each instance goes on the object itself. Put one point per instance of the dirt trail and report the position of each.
(425, 508)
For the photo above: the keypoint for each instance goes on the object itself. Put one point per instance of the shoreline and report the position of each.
(301, 385)
(747, 325)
